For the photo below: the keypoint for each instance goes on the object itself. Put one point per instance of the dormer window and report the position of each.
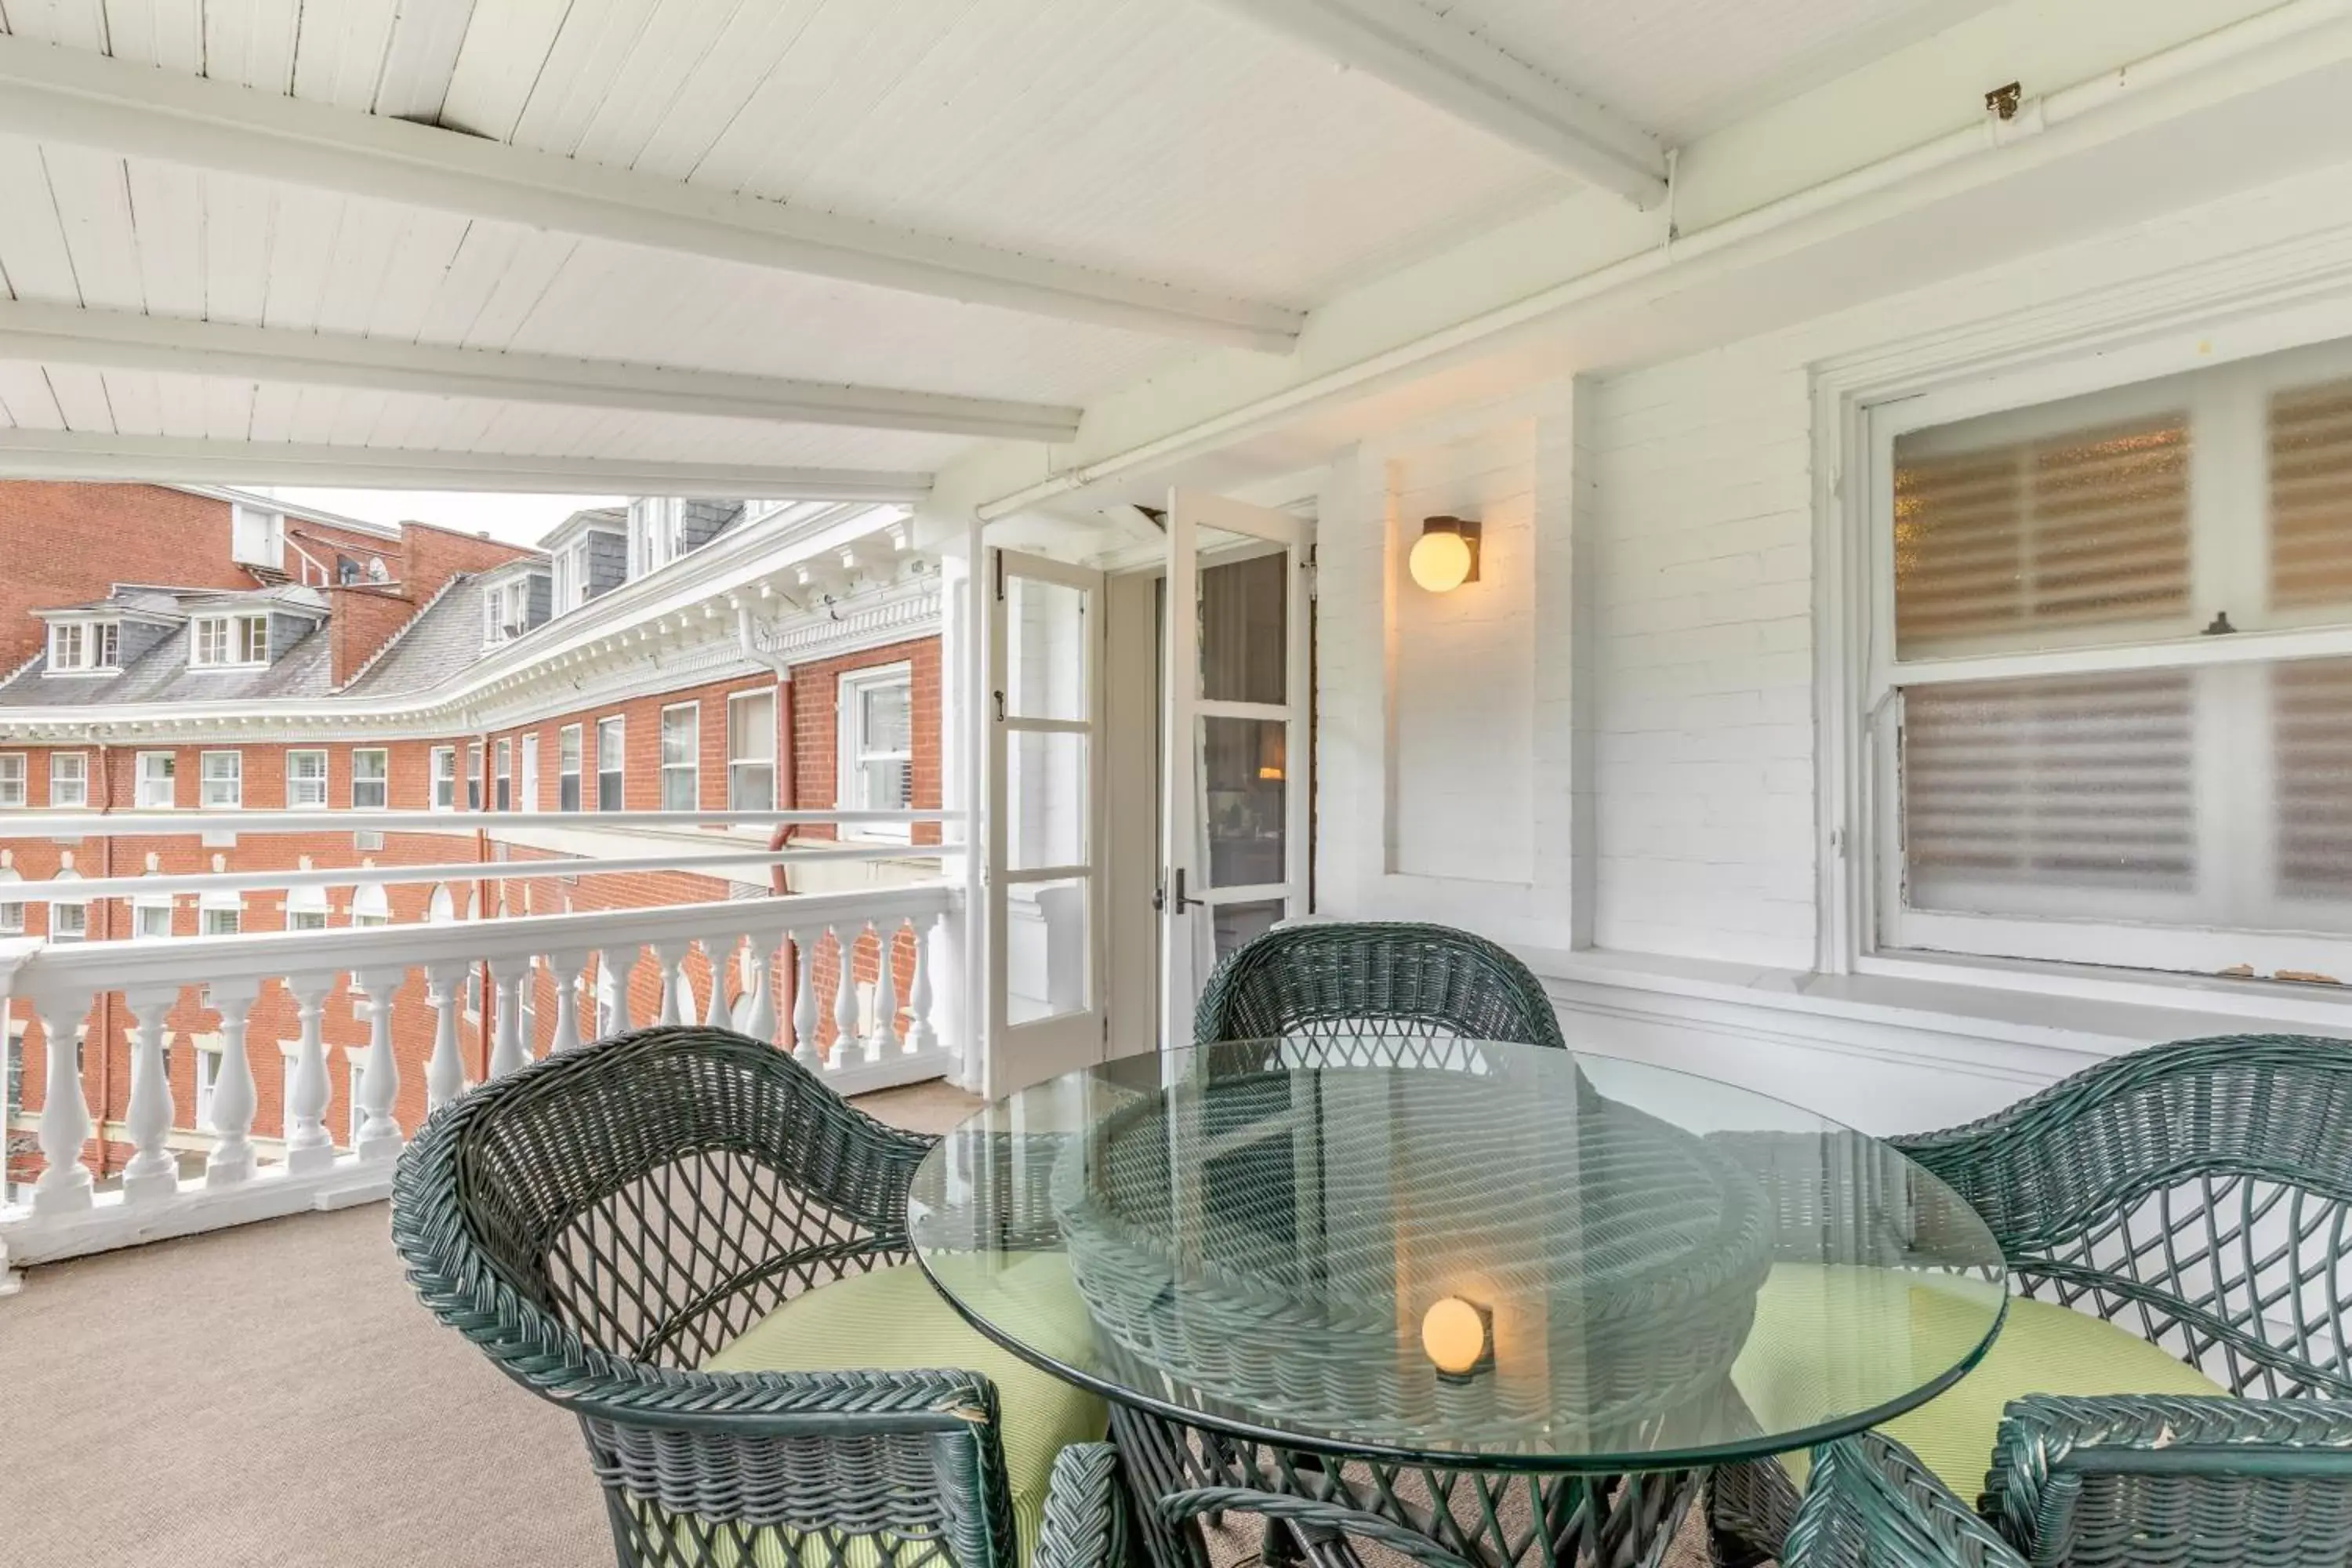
(81, 646)
(506, 611)
(572, 573)
(222, 642)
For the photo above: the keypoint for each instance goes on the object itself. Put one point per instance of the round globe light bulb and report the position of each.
(1439, 560)
(1454, 1335)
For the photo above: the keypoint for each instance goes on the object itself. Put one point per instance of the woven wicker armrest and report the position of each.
(1871, 1502)
(1085, 1521)
(2167, 1479)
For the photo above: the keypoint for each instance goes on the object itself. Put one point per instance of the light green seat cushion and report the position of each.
(1887, 1327)
(892, 1320)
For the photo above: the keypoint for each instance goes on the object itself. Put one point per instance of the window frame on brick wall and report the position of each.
(852, 754)
(443, 763)
(295, 778)
(16, 780)
(233, 641)
(612, 783)
(568, 740)
(77, 776)
(155, 780)
(473, 776)
(382, 779)
(213, 798)
(739, 765)
(1868, 921)
(502, 774)
(680, 769)
(85, 647)
(143, 911)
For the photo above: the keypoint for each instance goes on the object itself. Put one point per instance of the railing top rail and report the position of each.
(42, 822)
(164, 884)
(67, 969)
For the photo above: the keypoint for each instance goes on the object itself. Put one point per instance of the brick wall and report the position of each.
(362, 620)
(430, 556)
(815, 701)
(64, 543)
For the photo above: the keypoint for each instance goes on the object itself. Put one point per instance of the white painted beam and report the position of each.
(87, 100)
(112, 340)
(1417, 51)
(172, 459)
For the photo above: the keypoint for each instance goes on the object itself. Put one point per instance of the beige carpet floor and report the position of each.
(271, 1396)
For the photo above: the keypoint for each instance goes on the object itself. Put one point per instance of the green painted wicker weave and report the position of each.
(2199, 1193)
(1374, 981)
(600, 1221)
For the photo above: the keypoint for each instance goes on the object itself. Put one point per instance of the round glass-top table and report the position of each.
(1444, 1257)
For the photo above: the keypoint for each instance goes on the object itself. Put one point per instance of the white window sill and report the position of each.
(93, 669)
(248, 663)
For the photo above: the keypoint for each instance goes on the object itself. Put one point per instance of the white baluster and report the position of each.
(612, 1018)
(153, 1173)
(65, 1183)
(309, 1145)
(676, 998)
(380, 1081)
(567, 968)
(920, 1034)
(508, 1049)
(804, 1018)
(445, 1071)
(845, 997)
(761, 954)
(883, 1041)
(232, 1159)
(719, 949)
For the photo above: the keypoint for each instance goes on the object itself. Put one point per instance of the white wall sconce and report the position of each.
(1445, 556)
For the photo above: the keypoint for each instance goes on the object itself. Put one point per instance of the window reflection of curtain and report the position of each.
(1242, 606)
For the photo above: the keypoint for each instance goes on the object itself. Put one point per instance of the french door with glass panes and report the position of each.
(1236, 793)
(1044, 864)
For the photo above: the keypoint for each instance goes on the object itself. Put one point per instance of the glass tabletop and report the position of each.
(1458, 1252)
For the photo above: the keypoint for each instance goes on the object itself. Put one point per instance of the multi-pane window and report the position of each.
(220, 919)
(223, 777)
(12, 908)
(657, 533)
(681, 744)
(473, 776)
(505, 610)
(69, 922)
(85, 645)
(610, 762)
(877, 745)
(445, 778)
(157, 780)
(572, 575)
(69, 778)
(151, 919)
(221, 640)
(567, 768)
(2115, 673)
(370, 779)
(12, 778)
(502, 781)
(300, 918)
(305, 780)
(208, 1066)
(751, 752)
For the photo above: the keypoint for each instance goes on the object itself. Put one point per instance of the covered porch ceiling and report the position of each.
(1025, 258)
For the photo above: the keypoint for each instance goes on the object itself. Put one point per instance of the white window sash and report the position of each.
(375, 782)
(854, 753)
(219, 787)
(13, 775)
(69, 778)
(306, 791)
(157, 780)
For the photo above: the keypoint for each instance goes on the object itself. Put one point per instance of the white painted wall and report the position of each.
(1636, 729)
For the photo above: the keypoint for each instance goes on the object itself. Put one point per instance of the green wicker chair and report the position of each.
(605, 1223)
(2199, 1193)
(1380, 980)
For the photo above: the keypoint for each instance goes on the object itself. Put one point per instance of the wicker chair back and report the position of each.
(1375, 981)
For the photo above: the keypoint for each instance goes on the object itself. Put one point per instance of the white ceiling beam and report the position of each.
(183, 460)
(1419, 52)
(112, 340)
(87, 100)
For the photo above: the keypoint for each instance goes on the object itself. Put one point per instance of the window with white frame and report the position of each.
(370, 779)
(220, 917)
(610, 765)
(69, 778)
(208, 1065)
(305, 780)
(505, 610)
(226, 641)
(84, 645)
(2111, 672)
(878, 747)
(527, 777)
(572, 575)
(751, 751)
(567, 768)
(371, 906)
(69, 922)
(11, 908)
(223, 778)
(657, 533)
(306, 906)
(158, 777)
(445, 778)
(151, 917)
(681, 746)
(12, 778)
(473, 776)
(502, 774)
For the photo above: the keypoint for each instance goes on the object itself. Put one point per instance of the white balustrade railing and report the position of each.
(897, 1027)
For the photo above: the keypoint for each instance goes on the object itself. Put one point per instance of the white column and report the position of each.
(508, 1049)
(616, 962)
(718, 949)
(65, 1183)
(153, 1173)
(309, 1145)
(445, 1071)
(952, 958)
(844, 996)
(232, 1159)
(805, 1019)
(566, 969)
(380, 1083)
(761, 953)
(677, 1000)
(883, 1040)
(922, 1035)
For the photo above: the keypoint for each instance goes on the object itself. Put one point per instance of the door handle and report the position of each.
(1183, 903)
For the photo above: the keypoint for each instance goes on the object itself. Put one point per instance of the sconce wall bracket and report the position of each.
(1468, 528)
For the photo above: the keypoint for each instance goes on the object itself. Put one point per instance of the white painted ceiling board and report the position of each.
(302, 230)
(26, 400)
(339, 51)
(180, 401)
(93, 208)
(252, 42)
(421, 57)
(75, 24)
(80, 392)
(505, 49)
(237, 217)
(134, 401)
(167, 33)
(229, 409)
(33, 258)
(169, 235)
